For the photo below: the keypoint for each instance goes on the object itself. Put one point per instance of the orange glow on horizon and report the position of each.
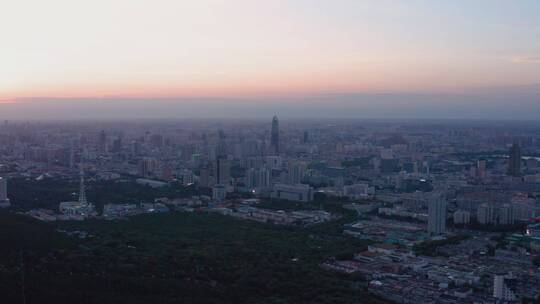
(250, 48)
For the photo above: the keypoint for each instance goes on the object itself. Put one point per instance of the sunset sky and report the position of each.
(240, 48)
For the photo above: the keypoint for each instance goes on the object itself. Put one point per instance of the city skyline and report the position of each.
(453, 206)
(286, 151)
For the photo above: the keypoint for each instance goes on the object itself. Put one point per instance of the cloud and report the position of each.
(525, 59)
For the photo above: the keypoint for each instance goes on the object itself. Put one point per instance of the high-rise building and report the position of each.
(504, 287)
(82, 188)
(273, 162)
(506, 215)
(135, 147)
(297, 170)
(251, 147)
(223, 171)
(437, 216)
(305, 139)
(485, 214)
(117, 145)
(3, 189)
(524, 211)
(102, 142)
(221, 149)
(166, 172)
(204, 177)
(274, 140)
(462, 217)
(251, 178)
(4, 201)
(253, 162)
(389, 165)
(481, 169)
(514, 161)
(71, 157)
(147, 166)
(219, 192)
(258, 178)
(186, 176)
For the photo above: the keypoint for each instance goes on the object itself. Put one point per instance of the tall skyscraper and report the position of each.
(221, 149)
(219, 192)
(135, 147)
(82, 188)
(504, 287)
(506, 215)
(274, 140)
(223, 171)
(71, 161)
(147, 166)
(437, 216)
(117, 145)
(485, 214)
(102, 142)
(514, 161)
(481, 169)
(204, 177)
(297, 170)
(258, 178)
(186, 176)
(4, 201)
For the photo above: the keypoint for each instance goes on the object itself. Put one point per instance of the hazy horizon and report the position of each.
(483, 104)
